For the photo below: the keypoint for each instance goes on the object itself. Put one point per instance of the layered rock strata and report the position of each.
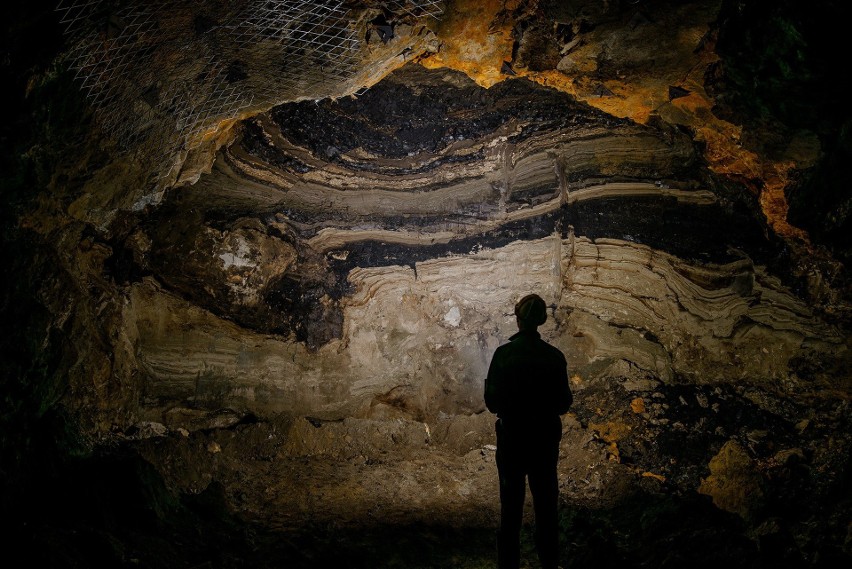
(297, 319)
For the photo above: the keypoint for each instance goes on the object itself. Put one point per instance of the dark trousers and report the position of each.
(528, 452)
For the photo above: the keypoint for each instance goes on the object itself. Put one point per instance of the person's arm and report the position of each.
(492, 385)
(564, 397)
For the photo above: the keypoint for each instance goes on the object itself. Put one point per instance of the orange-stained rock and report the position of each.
(734, 483)
(638, 405)
(474, 40)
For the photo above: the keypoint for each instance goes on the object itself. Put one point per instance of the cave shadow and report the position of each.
(113, 509)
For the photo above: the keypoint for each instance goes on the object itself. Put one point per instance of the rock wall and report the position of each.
(294, 311)
(415, 342)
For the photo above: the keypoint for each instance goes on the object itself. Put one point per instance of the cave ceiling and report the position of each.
(170, 85)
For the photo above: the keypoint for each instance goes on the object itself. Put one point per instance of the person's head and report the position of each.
(531, 312)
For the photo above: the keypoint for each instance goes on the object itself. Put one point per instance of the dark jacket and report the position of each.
(527, 380)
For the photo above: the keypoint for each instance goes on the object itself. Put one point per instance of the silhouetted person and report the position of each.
(527, 387)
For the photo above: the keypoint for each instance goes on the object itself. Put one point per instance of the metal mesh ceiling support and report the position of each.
(160, 73)
(314, 39)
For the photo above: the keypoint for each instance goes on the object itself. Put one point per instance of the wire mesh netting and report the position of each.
(161, 73)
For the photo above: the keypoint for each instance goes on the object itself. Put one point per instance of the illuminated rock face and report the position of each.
(333, 295)
(302, 322)
(369, 265)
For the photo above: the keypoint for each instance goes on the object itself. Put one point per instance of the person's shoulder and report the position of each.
(554, 351)
(503, 348)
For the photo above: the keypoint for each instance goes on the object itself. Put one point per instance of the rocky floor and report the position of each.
(652, 474)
